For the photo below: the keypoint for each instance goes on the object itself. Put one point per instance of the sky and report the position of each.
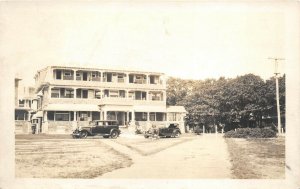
(185, 40)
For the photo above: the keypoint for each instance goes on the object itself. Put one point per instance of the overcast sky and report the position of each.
(187, 40)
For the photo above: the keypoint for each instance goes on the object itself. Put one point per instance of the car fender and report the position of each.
(175, 130)
(85, 130)
(114, 130)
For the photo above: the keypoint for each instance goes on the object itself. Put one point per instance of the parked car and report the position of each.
(108, 128)
(171, 131)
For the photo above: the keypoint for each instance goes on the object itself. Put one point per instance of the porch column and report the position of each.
(105, 115)
(164, 96)
(127, 117)
(101, 76)
(148, 96)
(74, 122)
(45, 122)
(132, 116)
(127, 79)
(148, 116)
(75, 92)
(147, 79)
(124, 121)
(74, 74)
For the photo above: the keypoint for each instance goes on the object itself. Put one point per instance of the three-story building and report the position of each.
(74, 96)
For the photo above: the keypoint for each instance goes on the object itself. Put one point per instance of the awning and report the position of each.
(179, 109)
(149, 108)
(72, 107)
(38, 114)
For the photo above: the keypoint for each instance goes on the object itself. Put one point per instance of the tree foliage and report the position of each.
(226, 100)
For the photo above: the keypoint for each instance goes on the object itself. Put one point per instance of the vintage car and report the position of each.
(107, 128)
(171, 131)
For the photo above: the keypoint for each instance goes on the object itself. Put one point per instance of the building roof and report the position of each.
(112, 69)
(72, 107)
(178, 109)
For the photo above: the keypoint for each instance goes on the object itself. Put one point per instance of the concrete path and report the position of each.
(204, 157)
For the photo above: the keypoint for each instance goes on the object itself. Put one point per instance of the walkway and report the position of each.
(203, 157)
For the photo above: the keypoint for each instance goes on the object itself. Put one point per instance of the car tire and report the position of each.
(176, 134)
(114, 134)
(83, 134)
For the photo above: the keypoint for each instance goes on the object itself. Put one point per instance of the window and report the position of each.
(174, 117)
(62, 116)
(50, 116)
(152, 116)
(108, 77)
(62, 92)
(78, 93)
(54, 93)
(77, 74)
(97, 94)
(122, 93)
(160, 116)
(83, 116)
(84, 93)
(58, 74)
(21, 103)
(69, 93)
(67, 74)
(94, 74)
(138, 95)
(140, 116)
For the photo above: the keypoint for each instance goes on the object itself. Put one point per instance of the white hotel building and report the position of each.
(73, 96)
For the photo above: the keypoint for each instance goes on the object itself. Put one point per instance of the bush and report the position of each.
(251, 133)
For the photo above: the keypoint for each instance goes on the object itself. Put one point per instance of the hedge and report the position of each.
(251, 133)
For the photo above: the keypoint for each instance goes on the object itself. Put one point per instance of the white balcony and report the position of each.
(107, 84)
(104, 101)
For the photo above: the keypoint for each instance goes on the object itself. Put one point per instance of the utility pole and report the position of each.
(277, 92)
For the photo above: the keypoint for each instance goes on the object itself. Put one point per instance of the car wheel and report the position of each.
(114, 134)
(146, 136)
(176, 134)
(83, 134)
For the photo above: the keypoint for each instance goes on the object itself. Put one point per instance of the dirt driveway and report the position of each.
(194, 157)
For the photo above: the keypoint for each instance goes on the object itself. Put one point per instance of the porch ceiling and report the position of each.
(72, 107)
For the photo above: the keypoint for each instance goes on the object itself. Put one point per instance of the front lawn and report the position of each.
(66, 158)
(257, 158)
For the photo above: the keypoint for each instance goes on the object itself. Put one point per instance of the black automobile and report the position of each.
(108, 128)
(171, 131)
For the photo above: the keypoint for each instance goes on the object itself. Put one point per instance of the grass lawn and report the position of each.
(257, 158)
(65, 158)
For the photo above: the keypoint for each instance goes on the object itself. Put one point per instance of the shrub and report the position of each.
(251, 133)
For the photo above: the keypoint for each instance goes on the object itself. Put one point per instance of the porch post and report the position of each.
(75, 92)
(127, 117)
(132, 116)
(105, 115)
(45, 123)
